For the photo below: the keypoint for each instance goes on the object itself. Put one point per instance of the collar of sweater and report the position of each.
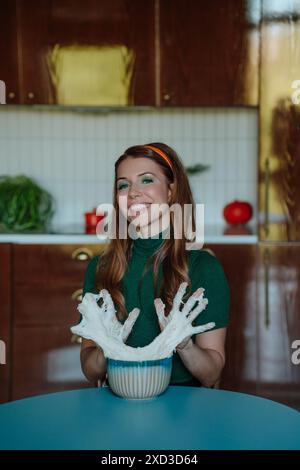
(145, 247)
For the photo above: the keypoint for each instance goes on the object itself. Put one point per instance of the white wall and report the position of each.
(72, 155)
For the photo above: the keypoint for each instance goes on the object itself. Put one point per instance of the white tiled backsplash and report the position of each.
(72, 155)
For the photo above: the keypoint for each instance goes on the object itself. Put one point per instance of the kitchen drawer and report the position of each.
(45, 360)
(47, 304)
(43, 264)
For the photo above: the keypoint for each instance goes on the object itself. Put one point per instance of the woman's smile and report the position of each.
(135, 209)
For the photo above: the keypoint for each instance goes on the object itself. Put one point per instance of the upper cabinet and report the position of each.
(86, 53)
(131, 52)
(9, 70)
(209, 52)
(279, 190)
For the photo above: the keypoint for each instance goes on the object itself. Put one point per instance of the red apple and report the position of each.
(238, 212)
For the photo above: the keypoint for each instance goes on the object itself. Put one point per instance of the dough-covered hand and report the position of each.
(115, 328)
(102, 321)
(186, 315)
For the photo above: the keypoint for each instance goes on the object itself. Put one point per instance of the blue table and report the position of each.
(182, 418)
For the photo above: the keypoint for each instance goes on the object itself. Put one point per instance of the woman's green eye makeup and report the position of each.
(147, 179)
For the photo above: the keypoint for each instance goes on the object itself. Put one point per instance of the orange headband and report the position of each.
(161, 153)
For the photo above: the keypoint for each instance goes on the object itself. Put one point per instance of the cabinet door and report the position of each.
(9, 72)
(5, 320)
(52, 264)
(88, 53)
(279, 323)
(209, 52)
(45, 361)
(239, 264)
(48, 281)
(279, 162)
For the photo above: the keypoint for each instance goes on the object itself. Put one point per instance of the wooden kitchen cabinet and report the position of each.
(239, 264)
(279, 118)
(87, 53)
(5, 320)
(9, 67)
(131, 52)
(45, 361)
(279, 322)
(209, 52)
(264, 285)
(47, 282)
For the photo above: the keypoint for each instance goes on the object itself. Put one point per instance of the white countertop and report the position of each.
(75, 235)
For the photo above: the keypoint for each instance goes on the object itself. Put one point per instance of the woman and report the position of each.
(137, 271)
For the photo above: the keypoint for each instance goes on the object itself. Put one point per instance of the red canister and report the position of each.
(91, 220)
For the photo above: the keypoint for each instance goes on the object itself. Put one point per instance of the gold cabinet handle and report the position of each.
(267, 187)
(82, 254)
(30, 95)
(77, 295)
(167, 97)
(11, 95)
(267, 276)
(76, 339)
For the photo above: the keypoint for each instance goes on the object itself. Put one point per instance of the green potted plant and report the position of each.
(24, 205)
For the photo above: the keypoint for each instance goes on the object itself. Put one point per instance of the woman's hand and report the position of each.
(101, 322)
(114, 327)
(164, 320)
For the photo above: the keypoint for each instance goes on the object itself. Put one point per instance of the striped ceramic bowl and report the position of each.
(134, 379)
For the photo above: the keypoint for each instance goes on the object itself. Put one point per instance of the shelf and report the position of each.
(74, 234)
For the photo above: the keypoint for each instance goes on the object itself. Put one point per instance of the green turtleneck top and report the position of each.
(204, 271)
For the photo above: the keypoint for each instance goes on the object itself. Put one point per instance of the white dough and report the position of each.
(101, 325)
